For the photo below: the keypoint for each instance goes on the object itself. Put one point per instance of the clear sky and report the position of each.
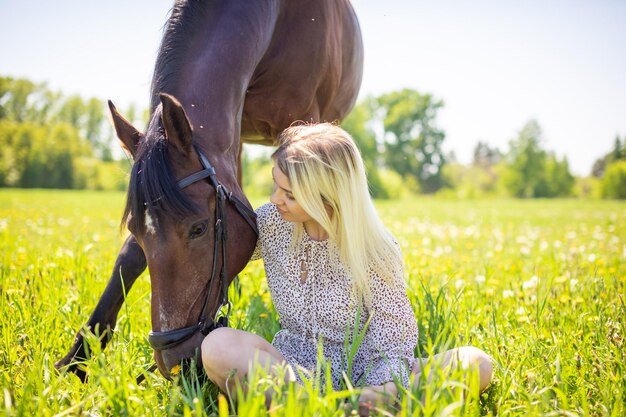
(495, 64)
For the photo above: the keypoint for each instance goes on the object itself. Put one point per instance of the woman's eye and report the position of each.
(198, 229)
(290, 197)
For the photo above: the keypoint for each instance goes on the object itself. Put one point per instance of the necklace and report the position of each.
(304, 264)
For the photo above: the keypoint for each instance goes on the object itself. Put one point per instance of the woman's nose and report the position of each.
(274, 198)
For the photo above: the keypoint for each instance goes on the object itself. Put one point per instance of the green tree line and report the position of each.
(402, 146)
(54, 141)
(48, 140)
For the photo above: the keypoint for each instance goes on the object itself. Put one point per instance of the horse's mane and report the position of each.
(178, 30)
(152, 184)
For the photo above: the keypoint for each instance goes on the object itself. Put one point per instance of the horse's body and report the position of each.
(242, 71)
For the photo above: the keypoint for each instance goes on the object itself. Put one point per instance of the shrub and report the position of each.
(614, 180)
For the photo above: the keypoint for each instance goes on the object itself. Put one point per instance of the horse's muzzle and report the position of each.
(169, 360)
(170, 347)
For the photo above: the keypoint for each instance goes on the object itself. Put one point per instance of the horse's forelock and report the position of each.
(153, 186)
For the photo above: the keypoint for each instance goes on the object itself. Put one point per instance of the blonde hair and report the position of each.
(327, 178)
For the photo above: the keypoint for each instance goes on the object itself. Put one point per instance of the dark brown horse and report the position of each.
(241, 71)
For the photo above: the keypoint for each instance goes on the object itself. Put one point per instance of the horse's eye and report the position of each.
(198, 229)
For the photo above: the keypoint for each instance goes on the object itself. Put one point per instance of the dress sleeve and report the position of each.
(261, 218)
(256, 255)
(265, 218)
(392, 333)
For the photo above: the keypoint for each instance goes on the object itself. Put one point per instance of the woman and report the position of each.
(331, 267)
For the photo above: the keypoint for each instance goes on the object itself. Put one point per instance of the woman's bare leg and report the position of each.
(466, 357)
(374, 394)
(228, 354)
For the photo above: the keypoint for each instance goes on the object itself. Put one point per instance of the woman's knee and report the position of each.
(217, 348)
(472, 357)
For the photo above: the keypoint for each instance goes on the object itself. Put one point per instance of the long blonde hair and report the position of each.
(327, 178)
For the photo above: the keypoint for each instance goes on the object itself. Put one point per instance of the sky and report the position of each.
(495, 64)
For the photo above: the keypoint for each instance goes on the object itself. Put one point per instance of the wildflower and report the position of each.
(522, 317)
(459, 284)
(175, 370)
(572, 284)
(591, 258)
(531, 283)
(263, 315)
(525, 250)
(480, 279)
(507, 294)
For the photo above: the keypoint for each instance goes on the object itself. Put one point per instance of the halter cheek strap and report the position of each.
(173, 338)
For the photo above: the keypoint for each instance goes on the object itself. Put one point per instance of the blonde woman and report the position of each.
(331, 266)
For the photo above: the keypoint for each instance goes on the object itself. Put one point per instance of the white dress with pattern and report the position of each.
(322, 308)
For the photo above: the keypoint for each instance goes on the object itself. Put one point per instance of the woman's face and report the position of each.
(284, 200)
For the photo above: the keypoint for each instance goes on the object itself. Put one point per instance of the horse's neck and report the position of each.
(207, 68)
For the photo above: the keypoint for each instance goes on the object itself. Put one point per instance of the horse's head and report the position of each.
(173, 210)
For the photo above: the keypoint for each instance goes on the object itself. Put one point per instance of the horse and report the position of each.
(227, 73)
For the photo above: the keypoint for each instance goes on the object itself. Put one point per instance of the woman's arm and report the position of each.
(390, 338)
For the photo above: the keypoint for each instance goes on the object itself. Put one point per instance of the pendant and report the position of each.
(304, 268)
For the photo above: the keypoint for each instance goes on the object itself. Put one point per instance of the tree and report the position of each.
(14, 98)
(359, 124)
(525, 161)
(616, 154)
(49, 141)
(485, 156)
(533, 172)
(614, 181)
(557, 180)
(412, 141)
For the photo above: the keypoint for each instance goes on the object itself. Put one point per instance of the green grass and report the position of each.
(539, 285)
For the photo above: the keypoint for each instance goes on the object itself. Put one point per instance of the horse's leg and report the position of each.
(129, 264)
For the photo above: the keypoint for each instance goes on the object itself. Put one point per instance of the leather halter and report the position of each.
(173, 338)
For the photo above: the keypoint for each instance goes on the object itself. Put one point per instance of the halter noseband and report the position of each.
(173, 338)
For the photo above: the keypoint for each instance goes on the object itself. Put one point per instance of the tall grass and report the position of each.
(539, 285)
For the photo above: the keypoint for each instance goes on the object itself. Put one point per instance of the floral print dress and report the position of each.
(311, 291)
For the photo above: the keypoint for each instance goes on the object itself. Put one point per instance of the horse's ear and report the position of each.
(126, 132)
(178, 130)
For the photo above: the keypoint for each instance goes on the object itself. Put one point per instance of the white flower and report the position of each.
(525, 250)
(459, 284)
(480, 279)
(507, 294)
(592, 257)
(531, 283)
(572, 283)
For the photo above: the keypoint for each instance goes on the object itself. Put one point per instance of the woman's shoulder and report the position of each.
(267, 216)
(266, 212)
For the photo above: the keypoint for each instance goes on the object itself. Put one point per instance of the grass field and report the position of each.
(539, 285)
